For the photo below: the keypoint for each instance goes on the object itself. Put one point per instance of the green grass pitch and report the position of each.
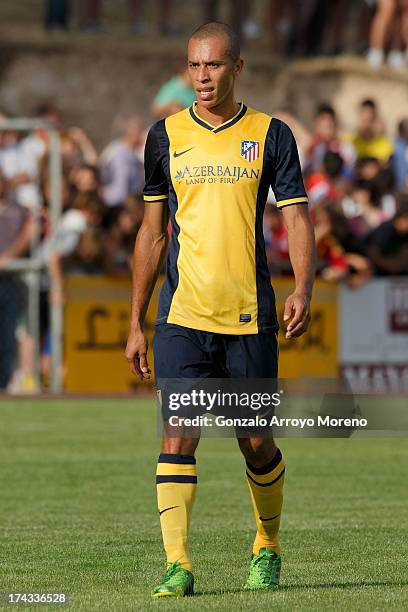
(78, 514)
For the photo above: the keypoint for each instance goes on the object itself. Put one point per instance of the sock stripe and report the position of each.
(168, 469)
(265, 484)
(174, 458)
(176, 478)
(268, 467)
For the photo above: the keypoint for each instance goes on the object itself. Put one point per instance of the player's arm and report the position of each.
(291, 198)
(148, 256)
(149, 252)
(302, 257)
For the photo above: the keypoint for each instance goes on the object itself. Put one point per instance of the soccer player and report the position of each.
(209, 169)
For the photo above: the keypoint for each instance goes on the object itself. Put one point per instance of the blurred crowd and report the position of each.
(357, 185)
(357, 182)
(294, 28)
(102, 210)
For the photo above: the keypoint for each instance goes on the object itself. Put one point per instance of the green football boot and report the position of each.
(264, 571)
(177, 582)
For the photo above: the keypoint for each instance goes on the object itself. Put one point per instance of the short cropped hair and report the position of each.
(325, 109)
(403, 127)
(368, 103)
(216, 28)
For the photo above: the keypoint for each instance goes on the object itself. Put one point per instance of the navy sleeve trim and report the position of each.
(285, 172)
(156, 148)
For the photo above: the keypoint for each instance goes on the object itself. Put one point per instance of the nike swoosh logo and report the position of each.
(269, 519)
(165, 510)
(175, 154)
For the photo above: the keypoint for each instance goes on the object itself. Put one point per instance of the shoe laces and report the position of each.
(265, 565)
(173, 575)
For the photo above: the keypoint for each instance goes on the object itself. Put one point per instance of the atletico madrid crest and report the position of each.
(250, 150)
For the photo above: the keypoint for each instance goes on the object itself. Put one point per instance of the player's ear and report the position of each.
(238, 66)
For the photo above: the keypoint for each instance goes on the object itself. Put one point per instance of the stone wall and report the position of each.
(93, 84)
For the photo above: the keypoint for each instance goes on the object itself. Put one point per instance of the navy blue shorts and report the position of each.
(181, 352)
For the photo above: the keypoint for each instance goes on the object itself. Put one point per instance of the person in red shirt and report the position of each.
(326, 138)
(328, 183)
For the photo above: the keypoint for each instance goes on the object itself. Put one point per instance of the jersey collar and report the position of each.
(215, 129)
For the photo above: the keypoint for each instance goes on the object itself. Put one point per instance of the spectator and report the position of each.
(326, 138)
(75, 136)
(334, 262)
(85, 180)
(400, 157)
(19, 165)
(396, 56)
(314, 144)
(87, 214)
(328, 184)
(276, 242)
(14, 242)
(302, 134)
(57, 14)
(91, 16)
(380, 31)
(36, 143)
(404, 26)
(121, 170)
(89, 255)
(389, 28)
(369, 141)
(338, 18)
(383, 191)
(309, 21)
(84, 144)
(368, 211)
(70, 155)
(120, 240)
(280, 21)
(367, 168)
(331, 258)
(174, 95)
(387, 246)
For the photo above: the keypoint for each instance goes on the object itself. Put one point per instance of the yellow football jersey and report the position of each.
(215, 181)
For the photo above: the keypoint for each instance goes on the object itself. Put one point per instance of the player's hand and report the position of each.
(297, 308)
(136, 353)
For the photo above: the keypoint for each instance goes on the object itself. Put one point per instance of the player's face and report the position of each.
(212, 70)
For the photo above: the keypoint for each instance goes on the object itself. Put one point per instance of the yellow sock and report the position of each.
(266, 488)
(176, 481)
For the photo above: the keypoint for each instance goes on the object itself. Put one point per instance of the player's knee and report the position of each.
(257, 451)
(180, 446)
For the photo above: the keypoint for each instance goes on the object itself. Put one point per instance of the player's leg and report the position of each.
(176, 481)
(179, 354)
(256, 356)
(265, 473)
